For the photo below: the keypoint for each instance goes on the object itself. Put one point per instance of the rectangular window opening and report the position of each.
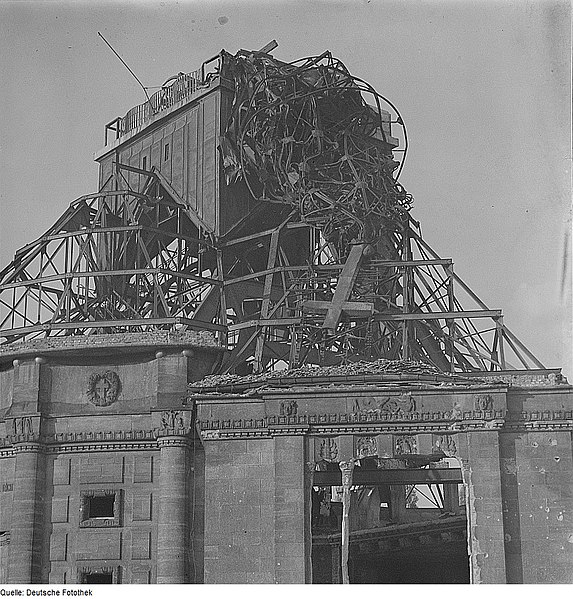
(101, 506)
(144, 163)
(166, 152)
(98, 578)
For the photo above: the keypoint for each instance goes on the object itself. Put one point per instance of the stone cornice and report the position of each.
(375, 423)
(172, 441)
(96, 441)
(373, 416)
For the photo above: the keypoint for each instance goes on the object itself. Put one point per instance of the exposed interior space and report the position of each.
(407, 522)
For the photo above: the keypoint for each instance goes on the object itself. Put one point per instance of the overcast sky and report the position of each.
(483, 86)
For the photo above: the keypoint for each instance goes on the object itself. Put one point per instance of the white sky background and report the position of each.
(483, 86)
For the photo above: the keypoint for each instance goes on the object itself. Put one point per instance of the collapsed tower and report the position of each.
(258, 200)
(250, 225)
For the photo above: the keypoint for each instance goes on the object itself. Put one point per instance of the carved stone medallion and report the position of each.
(103, 388)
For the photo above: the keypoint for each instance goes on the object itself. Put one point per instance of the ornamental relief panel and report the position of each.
(103, 388)
(483, 402)
(446, 444)
(22, 426)
(172, 420)
(365, 447)
(326, 450)
(405, 444)
(400, 404)
(288, 408)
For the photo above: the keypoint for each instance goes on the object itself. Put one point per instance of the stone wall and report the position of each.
(513, 447)
(111, 430)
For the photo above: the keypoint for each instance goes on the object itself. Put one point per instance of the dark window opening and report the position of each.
(101, 507)
(166, 152)
(98, 578)
(144, 163)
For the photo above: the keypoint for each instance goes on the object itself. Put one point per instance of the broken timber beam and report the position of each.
(380, 476)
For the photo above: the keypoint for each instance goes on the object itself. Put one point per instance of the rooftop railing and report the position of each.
(174, 90)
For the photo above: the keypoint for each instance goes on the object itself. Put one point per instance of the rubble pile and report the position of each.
(379, 367)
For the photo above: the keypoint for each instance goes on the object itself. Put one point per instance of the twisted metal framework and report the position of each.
(339, 272)
(303, 134)
(400, 308)
(118, 260)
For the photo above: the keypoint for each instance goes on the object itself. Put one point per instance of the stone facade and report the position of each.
(98, 471)
(513, 445)
(214, 484)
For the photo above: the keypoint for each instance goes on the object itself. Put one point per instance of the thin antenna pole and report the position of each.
(127, 67)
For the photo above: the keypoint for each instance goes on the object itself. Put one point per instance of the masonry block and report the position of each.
(58, 547)
(140, 576)
(142, 506)
(143, 469)
(140, 544)
(98, 544)
(104, 470)
(60, 509)
(62, 470)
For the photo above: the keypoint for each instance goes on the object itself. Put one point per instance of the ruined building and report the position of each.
(239, 361)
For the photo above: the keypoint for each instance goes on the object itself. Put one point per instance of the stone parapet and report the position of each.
(118, 341)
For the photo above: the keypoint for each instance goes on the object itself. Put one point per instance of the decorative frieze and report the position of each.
(374, 416)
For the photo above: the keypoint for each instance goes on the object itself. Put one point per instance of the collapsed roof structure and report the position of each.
(294, 244)
(239, 361)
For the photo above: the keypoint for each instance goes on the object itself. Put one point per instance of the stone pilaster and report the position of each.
(173, 520)
(347, 469)
(26, 535)
(310, 468)
(290, 517)
(479, 458)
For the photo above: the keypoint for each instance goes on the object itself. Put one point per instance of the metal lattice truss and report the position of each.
(328, 268)
(332, 311)
(125, 260)
(118, 260)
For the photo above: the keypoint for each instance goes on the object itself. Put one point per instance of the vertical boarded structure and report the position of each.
(181, 143)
